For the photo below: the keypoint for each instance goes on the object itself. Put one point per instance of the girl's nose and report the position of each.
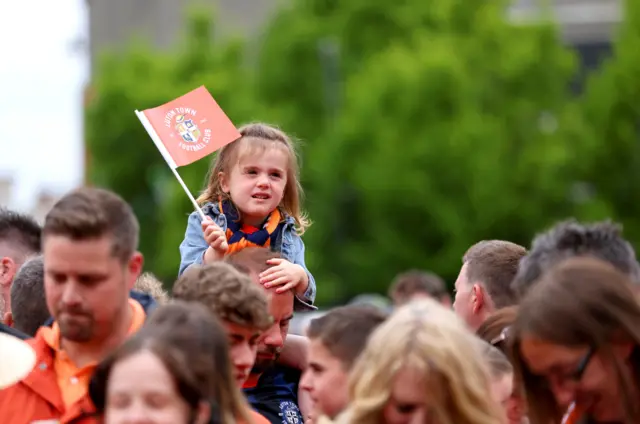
(263, 181)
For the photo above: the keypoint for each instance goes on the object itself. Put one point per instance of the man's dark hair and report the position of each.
(28, 302)
(91, 213)
(344, 331)
(567, 239)
(20, 231)
(494, 264)
(412, 282)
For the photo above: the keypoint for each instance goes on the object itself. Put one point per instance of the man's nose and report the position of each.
(273, 337)
(70, 294)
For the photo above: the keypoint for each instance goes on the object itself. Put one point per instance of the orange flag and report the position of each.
(189, 128)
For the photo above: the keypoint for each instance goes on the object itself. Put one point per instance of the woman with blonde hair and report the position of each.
(421, 366)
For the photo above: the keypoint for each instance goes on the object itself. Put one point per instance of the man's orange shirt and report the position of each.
(55, 390)
(74, 381)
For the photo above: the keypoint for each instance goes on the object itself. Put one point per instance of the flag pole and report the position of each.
(167, 157)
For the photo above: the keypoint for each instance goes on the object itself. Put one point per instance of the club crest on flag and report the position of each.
(185, 122)
(187, 129)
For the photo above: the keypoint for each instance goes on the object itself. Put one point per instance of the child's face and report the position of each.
(325, 380)
(256, 184)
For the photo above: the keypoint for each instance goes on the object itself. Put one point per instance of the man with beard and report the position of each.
(89, 242)
(272, 389)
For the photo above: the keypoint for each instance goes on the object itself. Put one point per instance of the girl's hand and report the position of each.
(285, 274)
(215, 238)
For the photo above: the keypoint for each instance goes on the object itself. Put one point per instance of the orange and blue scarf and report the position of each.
(240, 236)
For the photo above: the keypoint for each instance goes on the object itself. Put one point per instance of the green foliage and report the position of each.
(451, 161)
(426, 127)
(437, 138)
(611, 106)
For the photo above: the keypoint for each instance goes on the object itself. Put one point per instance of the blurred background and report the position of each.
(424, 127)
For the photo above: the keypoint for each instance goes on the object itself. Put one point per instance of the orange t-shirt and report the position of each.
(74, 381)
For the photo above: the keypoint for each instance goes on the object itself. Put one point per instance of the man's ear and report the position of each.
(8, 318)
(478, 298)
(8, 269)
(135, 268)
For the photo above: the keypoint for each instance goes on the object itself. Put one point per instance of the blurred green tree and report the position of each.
(611, 106)
(452, 140)
(430, 127)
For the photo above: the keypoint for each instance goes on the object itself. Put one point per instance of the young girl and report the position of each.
(253, 199)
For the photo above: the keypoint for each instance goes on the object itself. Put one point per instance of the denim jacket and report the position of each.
(193, 247)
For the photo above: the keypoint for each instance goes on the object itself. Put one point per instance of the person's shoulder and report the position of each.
(277, 378)
(284, 378)
(13, 332)
(290, 370)
(288, 219)
(209, 208)
(288, 373)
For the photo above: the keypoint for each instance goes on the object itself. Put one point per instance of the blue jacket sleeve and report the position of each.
(298, 258)
(193, 246)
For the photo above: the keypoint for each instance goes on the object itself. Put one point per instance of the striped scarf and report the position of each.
(240, 236)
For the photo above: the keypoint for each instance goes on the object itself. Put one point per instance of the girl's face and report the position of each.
(141, 390)
(407, 403)
(256, 184)
(501, 390)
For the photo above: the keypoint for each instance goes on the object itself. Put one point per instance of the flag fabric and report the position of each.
(190, 127)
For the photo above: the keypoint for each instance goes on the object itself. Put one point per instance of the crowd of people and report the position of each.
(542, 335)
